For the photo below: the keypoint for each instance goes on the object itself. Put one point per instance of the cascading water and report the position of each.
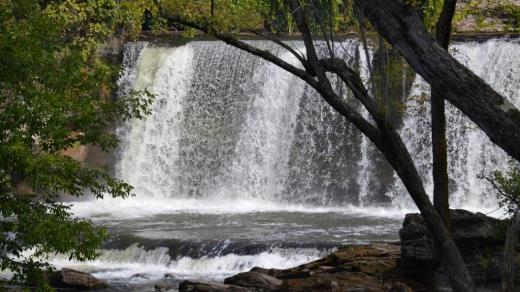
(471, 154)
(242, 164)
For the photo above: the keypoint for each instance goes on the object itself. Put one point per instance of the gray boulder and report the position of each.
(69, 278)
(480, 240)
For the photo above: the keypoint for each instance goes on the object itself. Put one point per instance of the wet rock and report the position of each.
(69, 278)
(141, 275)
(188, 286)
(170, 276)
(254, 280)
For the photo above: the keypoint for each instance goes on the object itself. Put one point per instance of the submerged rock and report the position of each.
(69, 278)
(255, 280)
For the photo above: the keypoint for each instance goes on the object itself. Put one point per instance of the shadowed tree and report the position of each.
(438, 117)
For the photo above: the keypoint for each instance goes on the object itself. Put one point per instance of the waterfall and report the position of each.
(229, 126)
(242, 164)
(471, 154)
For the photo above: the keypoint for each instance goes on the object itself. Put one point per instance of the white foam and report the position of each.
(154, 264)
(139, 207)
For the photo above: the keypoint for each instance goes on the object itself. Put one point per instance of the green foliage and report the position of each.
(508, 188)
(512, 13)
(234, 16)
(228, 16)
(494, 10)
(57, 93)
(431, 10)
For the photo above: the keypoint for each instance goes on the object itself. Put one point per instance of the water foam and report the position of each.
(136, 264)
(138, 208)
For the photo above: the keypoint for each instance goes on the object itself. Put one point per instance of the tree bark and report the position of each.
(509, 265)
(402, 27)
(438, 118)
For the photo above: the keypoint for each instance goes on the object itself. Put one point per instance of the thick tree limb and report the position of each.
(402, 27)
(438, 117)
(508, 267)
(444, 23)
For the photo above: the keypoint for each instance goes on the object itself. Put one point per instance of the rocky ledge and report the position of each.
(371, 268)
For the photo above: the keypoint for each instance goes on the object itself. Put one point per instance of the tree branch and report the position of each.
(264, 54)
(352, 80)
(402, 27)
(298, 55)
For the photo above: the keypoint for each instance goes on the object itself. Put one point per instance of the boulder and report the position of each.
(254, 280)
(479, 238)
(69, 278)
(188, 286)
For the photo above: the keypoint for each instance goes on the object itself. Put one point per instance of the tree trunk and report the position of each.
(449, 256)
(509, 265)
(438, 116)
(402, 27)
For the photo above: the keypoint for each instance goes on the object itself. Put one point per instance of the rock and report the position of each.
(347, 282)
(399, 287)
(141, 275)
(479, 238)
(188, 286)
(369, 268)
(163, 287)
(170, 276)
(255, 280)
(69, 278)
